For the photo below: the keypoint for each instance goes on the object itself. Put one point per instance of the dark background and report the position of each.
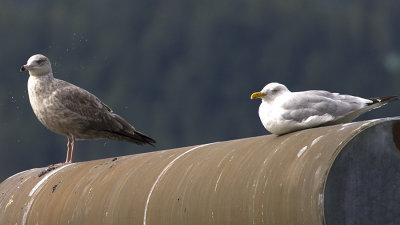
(182, 71)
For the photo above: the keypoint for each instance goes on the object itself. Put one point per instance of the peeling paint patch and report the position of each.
(37, 187)
(366, 124)
(23, 180)
(320, 200)
(27, 209)
(216, 184)
(374, 120)
(9, 202)
(18, 174)
(315, 141)
(39, 184)
(347, 124)
(301, 151)
(222, 160)
(318, 171)
(163, 172)
(284, 141)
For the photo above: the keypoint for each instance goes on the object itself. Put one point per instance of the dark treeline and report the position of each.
(182, 71)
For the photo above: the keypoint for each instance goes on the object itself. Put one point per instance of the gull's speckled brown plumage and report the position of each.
(72, 111)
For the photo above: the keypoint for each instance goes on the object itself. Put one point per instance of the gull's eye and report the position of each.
(40, 61)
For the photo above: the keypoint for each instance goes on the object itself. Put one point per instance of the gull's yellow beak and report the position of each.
(257, 95)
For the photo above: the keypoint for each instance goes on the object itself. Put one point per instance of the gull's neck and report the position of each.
(268, 100)
(40, 87)
(48, 76)
(43, 81)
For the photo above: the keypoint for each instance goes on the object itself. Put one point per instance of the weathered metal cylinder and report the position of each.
(343, 174)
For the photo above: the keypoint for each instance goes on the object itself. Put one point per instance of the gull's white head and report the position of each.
(37, 65)
(270, 92)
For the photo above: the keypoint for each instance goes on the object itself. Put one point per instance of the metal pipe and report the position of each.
(343, 174)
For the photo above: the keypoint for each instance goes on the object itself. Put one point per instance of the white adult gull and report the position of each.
(282, 111)
(72, 111)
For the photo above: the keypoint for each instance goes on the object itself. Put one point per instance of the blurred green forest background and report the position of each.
(182, 71)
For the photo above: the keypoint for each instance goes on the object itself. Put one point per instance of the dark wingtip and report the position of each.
(152, 144)
(384, 99)
(130, 133)
(137, 138)
(149, 140)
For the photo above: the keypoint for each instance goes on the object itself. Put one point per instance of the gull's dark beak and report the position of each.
(22, 68)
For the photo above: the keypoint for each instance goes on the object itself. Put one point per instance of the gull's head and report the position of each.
(270, 92)
(37, 65)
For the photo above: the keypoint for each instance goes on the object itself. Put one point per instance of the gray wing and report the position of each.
(80, 103)
(91, 118)
(321, 105)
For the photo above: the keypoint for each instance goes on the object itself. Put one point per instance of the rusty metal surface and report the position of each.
(259, 180)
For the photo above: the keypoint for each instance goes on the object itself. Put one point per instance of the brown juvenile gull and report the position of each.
(282, 111)
(72, 111)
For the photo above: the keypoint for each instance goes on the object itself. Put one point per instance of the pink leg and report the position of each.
(68, 150)
(71, 158)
